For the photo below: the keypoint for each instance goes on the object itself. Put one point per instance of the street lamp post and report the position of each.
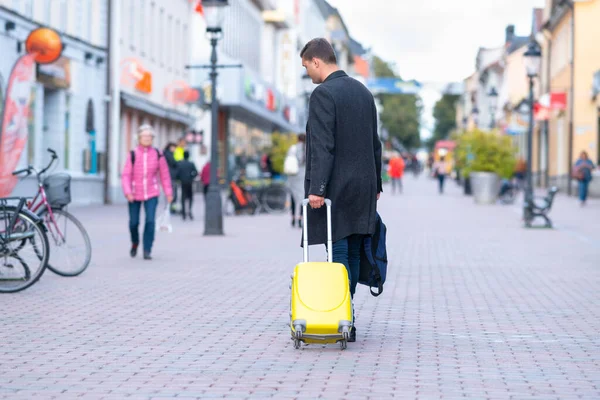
(533, 58)
(213, 215)
(493, 96)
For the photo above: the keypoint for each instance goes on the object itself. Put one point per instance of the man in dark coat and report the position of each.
(172, 164)
(343, 160)
(186, 174)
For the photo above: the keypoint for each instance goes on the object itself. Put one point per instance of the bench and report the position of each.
(540, 207)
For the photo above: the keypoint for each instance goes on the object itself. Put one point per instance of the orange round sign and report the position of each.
(44, 44)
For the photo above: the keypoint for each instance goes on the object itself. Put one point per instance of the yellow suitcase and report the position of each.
(321, 305)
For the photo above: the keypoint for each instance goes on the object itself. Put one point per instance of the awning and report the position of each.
(154, 109)
(262, 118)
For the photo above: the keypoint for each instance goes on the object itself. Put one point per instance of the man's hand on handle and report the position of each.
(316, 201)
(378, 195)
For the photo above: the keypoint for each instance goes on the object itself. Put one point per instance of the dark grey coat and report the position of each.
(343, 160)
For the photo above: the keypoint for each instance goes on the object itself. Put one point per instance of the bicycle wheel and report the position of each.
(276, 199)
(24, 252)
(71, 249)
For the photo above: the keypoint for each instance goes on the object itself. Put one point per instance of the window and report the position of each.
(89, 20)
(186, 48)
(47, 13)
(177, 46)
(153, 30)
(161, 33)
(132, 20)
(168, 42)
(64, 15)
(141, 23)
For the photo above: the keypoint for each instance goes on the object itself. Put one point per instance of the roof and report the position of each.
(326, 8)
(538, 20)
(455, 88)
(516, 43)
(356, 48)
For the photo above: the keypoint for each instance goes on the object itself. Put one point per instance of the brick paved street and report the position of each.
(475, 306)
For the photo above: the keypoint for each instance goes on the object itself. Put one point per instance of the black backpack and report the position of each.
(133, 155)
(373, 259)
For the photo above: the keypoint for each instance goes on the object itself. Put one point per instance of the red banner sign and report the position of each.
(13, 136)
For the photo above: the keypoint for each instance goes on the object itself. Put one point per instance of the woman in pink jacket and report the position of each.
(144, 167)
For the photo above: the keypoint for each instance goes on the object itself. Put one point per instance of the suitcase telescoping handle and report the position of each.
(305, 229)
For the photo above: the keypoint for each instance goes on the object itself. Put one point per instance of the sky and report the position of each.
(434, 40)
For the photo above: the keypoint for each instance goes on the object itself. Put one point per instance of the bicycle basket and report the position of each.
(58, 189)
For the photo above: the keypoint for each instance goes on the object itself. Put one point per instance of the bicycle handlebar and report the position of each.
(30, 169)
(20, 171)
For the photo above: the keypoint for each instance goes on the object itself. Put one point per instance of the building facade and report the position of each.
(570, 57)
(252, 99)
(68, 100)
(150, 47)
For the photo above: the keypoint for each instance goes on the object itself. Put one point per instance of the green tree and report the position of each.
(444, 113)
(383, 69)
(401, 115)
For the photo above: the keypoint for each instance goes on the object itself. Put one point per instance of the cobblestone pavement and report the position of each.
(475, 306)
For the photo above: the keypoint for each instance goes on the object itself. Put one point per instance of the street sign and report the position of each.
(393, 86)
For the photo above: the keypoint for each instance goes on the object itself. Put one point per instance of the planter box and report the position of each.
(486, 186)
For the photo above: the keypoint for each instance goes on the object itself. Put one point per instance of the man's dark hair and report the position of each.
(319, 48)
(186, 155)
(169, 145)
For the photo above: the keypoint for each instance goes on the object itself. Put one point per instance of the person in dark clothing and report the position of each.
(343, 158)
(186, 174)
(583, 173)
(172, 164)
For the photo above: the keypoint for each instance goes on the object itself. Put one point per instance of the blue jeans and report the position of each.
(347, 251)
(583, 189)
(441, 179)
(134, 222)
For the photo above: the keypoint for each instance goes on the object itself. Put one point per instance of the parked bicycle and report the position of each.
(272, 198)
(71, 249)
(24, 247)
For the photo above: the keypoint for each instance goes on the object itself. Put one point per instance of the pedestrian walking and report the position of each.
(582, 171)
(205, 177)
(294, 168)
(396, 171)
(440, 170)
(186, 174)
(168, 152)
(343, 159)
(144, 168)
(180, 149)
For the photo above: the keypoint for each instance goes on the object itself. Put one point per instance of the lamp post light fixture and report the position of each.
(214, 13)
(493, 101)
(533, 60)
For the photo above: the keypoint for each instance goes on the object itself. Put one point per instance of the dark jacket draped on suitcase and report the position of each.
(343, 160)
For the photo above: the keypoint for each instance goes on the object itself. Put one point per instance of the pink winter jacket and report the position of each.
(141, 180)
